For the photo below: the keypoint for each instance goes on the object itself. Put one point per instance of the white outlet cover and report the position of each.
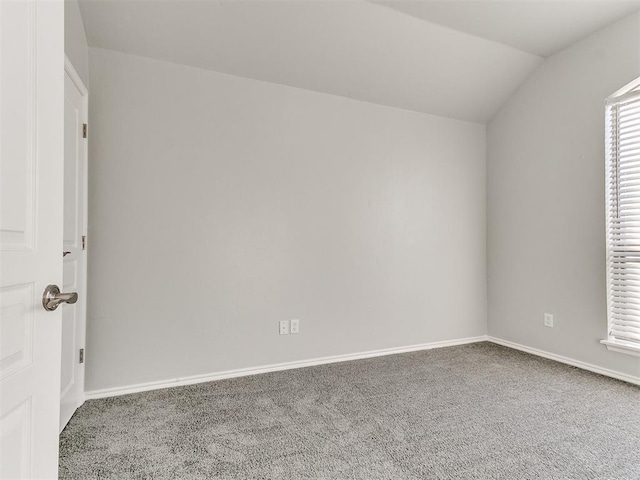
(295, 326)
(548, 320)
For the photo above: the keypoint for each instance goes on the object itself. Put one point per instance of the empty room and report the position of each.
(320, 239)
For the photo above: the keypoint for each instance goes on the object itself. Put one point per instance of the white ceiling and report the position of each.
(402, 56)
(541, 27)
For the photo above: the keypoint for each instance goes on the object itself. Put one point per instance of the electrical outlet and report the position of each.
(284, 327)
(548, 320)
(295, 326)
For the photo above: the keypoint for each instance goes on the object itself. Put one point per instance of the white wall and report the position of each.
(221, 205)
(545, 173)
(75, 40)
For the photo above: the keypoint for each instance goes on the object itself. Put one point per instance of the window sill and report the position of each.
(622, 347)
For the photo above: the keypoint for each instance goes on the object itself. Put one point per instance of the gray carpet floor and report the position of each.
(477, 411)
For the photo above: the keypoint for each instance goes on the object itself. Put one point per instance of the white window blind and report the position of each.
(623, 216)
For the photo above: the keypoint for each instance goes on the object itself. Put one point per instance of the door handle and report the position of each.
(52, 297)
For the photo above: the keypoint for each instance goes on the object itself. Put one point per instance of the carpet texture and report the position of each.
(477, 411)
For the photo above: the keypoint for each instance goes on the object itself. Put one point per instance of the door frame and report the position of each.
(82, 291)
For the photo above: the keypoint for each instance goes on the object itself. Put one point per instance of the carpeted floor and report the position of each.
(477, 411)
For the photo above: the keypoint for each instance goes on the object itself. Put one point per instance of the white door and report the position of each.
(31, 176)
(74, 255)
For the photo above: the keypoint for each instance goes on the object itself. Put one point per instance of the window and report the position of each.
(623, 219)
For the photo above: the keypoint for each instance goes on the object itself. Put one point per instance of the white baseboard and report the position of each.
(242, 372)
(569, 361)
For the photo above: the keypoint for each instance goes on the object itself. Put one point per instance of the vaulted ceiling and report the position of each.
(541, 27)
(459, 59)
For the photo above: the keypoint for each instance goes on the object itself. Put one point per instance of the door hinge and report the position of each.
(84, 242)
(84, 130)
(81, 355)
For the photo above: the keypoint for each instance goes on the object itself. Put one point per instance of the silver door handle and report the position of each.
(52, 297)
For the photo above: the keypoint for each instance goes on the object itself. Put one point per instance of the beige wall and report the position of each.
(221, 205)
(75, 40)
(545, 184)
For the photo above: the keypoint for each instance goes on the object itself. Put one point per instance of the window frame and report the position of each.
(612, 343)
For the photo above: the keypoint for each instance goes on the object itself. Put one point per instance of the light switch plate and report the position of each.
(295, 326)
(548, 320)
(284, 327)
